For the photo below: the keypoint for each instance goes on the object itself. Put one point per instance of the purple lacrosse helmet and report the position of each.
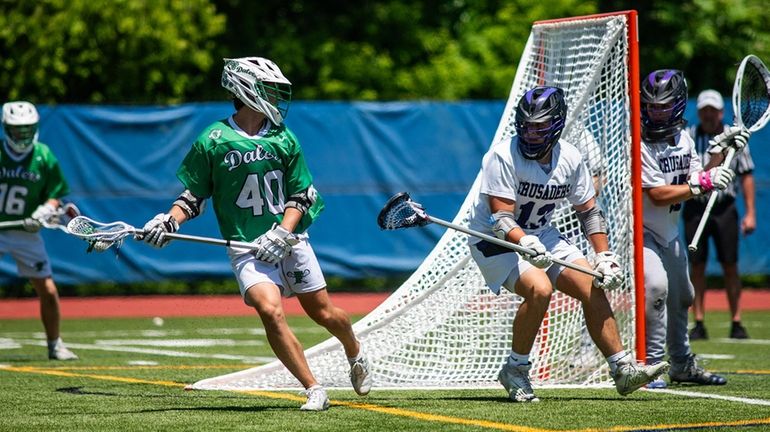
(664, 97)
(540, 118)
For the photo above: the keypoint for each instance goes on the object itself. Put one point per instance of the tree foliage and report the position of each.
(704, 38)
(141, 51)
(106, 51)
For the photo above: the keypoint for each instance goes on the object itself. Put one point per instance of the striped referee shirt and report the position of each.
(742, 163)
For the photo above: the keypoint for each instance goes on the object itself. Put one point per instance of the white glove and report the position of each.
(607, 264)
(155, 230)
(733, 136)
(543, 257)
(274, 245)
(45, 213)
(715, 178)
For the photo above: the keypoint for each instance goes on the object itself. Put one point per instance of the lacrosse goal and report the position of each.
(443, 328)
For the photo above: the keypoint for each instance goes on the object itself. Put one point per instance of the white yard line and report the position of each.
(712, 396)
(745, 341)
(168, 353)
(163, 333)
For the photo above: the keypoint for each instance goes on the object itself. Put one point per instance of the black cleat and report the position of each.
(737, 331)
(690, 372)
(699, 332)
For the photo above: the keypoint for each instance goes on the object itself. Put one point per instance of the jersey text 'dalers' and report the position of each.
(248, 177)
(29, 182)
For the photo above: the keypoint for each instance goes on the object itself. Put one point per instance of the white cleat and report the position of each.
(360, 376)
(61, 352)
(516, 383)
(317, 400)
(629, 377)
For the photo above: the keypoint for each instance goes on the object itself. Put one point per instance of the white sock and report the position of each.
(618, 357)
(516, 359)
(358, 356)
(52, 343)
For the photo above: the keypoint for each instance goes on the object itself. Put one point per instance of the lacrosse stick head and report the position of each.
(751, 94)
(401, 212)
(100, 236)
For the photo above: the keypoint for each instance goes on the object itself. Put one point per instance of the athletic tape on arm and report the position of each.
(191, 205)
(592, 221)
(505, 222)
(302, 201)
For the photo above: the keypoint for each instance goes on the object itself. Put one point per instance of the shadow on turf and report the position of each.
(245, 409)
(80, 391)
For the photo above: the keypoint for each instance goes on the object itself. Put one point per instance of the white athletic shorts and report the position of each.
(297, 274)
(28, 250)
(503, 267)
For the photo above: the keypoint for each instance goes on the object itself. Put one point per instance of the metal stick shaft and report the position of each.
(512, 246)
(693, 246)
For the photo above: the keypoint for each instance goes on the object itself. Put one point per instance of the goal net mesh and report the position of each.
(443, 328)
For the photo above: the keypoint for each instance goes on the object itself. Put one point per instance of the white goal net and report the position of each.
(443, 328)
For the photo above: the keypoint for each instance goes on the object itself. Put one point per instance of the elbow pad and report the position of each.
(191, 205)
(302, 201)
(504, 222)
(592, 221)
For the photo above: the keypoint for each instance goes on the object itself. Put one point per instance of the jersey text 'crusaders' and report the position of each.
(248, 178)
(536, 189)
(662, 165)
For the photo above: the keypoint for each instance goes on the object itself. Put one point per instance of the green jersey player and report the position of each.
(252, 167)
(31, 185)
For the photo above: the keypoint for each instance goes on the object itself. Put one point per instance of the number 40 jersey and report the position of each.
(537, 189)
(248, 178)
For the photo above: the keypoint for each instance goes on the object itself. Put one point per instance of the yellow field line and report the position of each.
(151, 367)
(275, 395)
(437, 418)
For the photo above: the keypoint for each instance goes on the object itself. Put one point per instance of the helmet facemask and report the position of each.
(20, 125)
(539, 122)
(260, 85)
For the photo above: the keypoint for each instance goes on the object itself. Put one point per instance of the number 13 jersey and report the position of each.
(537, 189)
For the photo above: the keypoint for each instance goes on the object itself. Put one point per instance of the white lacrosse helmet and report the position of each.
(20, 121)
(258, 83)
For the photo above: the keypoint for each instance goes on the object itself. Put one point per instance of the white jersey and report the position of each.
(536, 189)
(662, 165)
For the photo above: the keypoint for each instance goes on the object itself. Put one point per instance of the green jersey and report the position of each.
(27, 183)
(248, 179)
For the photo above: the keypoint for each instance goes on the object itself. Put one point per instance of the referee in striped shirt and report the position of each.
(723, 222)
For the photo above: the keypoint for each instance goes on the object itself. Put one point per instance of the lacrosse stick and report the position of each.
(101, 236)
(64, 214)
(751, 109)
(401, 212)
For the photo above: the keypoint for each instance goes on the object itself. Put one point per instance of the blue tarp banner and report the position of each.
(121, 164)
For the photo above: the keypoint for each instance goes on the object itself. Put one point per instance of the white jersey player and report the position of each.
(523, 181)
(671, 174)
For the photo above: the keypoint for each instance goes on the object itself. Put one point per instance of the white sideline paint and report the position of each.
(245, 359)
(179, 342)
(6, 343)
(711, 396)
(164, 333)
(745, 341)
(717, 356)
(142, 363)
